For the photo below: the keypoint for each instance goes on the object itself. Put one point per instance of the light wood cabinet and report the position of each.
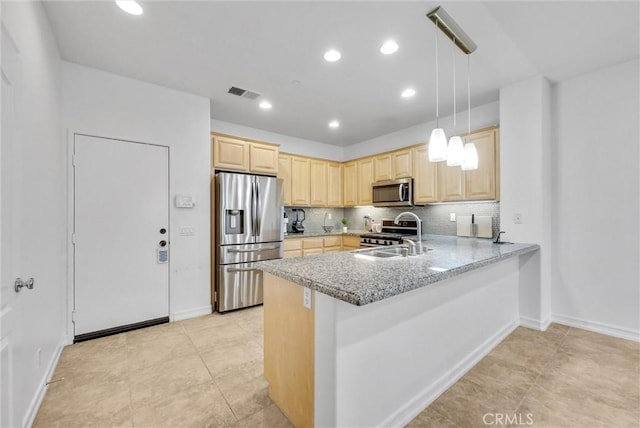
(300, 179)
(292, 247)
(365, 178)
(312, 246)
(450, 182)
(284, 172)
(350, 242)
(350, 184)
(382, 167)
(425, 177)
(334, 184)
(230, 153)
(480, 184)
(318, 183)
(393, 165)
(236, 154)
(401, 163)
(263, 158)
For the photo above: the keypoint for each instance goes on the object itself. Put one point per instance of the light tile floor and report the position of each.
(207, 372)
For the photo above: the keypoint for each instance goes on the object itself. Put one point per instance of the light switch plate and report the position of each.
(184, 201)
(452, 217)
(187, 231)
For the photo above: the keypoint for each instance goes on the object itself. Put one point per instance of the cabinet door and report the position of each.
(425, 179)
(284, 172)
(350, 242)
(382, 169)
(300, 182)
(401, 164)
(263, 158)
(230, 153)
(318, 191)
(350, 184)
(450, 182)
(365, 178)
(334, 184)
(480, 184)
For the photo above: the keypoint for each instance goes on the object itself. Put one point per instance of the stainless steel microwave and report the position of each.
(393, 193)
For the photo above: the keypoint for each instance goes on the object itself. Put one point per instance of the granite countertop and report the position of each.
(335, 232)
(357, 279)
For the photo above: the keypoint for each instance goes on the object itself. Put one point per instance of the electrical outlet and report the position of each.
(517, 218)
(452, 217)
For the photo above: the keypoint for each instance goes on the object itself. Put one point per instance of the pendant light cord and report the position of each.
(437, 94)
(453, 57)
(469, 96)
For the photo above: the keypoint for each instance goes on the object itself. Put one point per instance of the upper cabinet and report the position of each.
(300, 182)
(318, 183)
(334, 184)
(284, 172)
(480, 184)
(364, 180)
(350, 184)
(310, 182)
(425, 177)
(236, 154)
(389, 166)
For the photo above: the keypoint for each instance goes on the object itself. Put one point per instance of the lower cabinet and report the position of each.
(298, 247)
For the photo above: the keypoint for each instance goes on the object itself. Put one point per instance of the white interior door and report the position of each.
(10, 230)
(121, 209)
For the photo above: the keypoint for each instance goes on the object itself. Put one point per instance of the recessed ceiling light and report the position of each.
(334, 124)
(332, 55)
(389, 47)
(130, 6)
(265, 105)
(408, 93)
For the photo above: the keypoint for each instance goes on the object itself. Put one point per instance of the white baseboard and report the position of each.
(534, 323)
(598, 327)
(190, 313)
(407, 413)
(34, 406)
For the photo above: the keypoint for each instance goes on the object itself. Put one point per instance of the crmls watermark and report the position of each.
(507, 419)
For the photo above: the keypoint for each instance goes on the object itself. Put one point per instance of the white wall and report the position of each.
(104, 104)
(40, 313)
(596, 234)
(288, 144)
(525, 183)
(481, 117)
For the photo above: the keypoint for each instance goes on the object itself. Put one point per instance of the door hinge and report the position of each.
(74, 160)
(73, 238)
(73, 317)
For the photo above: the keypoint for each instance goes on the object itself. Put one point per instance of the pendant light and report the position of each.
(470, 157)
(455, 149)
(438, 140)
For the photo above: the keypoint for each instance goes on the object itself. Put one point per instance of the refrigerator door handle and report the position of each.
(251, 250)
(253, 207)
(258, 209)
(232, 270)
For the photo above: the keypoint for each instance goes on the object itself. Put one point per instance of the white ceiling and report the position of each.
(276, 48)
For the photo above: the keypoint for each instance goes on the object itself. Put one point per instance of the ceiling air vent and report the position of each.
(244, 93)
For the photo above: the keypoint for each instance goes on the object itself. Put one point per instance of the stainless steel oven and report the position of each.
(393, 193)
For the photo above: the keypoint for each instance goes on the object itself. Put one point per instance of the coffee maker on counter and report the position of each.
(296, 225)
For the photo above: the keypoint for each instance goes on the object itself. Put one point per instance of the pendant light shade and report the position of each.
(455, 151)
(437, 145)
(470, 157)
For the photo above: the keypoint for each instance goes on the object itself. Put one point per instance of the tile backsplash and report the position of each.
(435, 218)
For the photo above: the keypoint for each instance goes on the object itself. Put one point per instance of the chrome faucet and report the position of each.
(416, 248)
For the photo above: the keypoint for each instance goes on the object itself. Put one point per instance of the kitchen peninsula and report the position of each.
(357, 340)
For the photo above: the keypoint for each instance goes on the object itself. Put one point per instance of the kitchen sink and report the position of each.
(384, 253)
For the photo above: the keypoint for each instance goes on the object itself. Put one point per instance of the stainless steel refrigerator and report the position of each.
(249, 210)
